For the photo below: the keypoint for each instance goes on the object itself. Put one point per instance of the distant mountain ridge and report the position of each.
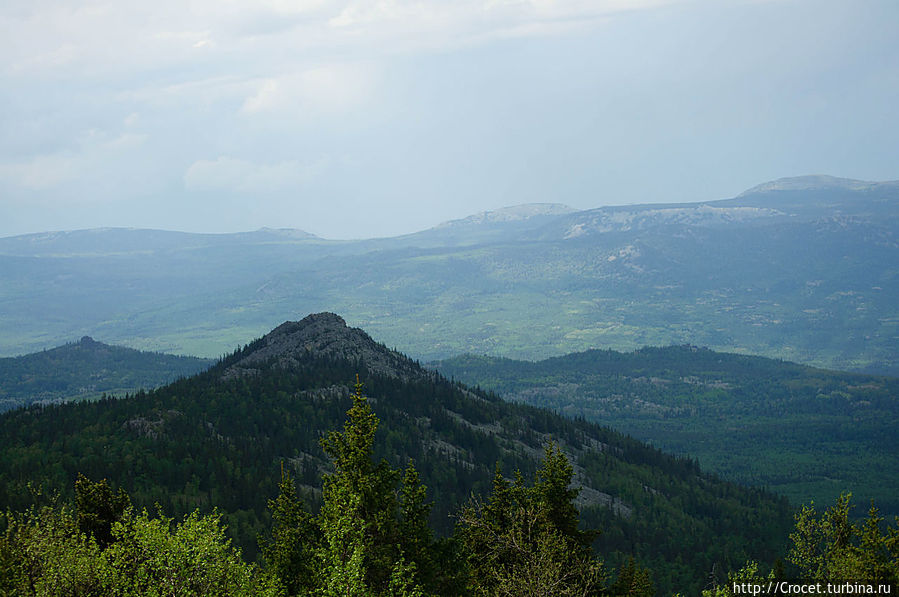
(86, 369)
(515, 213)
(112, 241)
(803, 269)
(807, 433)
(816, 182)
(157, 239)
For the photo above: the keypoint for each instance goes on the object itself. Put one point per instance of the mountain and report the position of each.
(86, 370)
(818, 182)
(123, 241)
(499, 225)
(804, 269)
(809, 434)
(802, 199)
(220, 438)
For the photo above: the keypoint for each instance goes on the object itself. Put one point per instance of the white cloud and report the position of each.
(96, 151)
(328, 88)
(227, 173)
(437, 23)
(192, 92)
(41, 172)
(106, 36)
(282, 58)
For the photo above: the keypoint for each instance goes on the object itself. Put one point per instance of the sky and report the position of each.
(367, 118)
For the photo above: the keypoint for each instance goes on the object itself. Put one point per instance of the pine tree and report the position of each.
(556, 496)
(362, 547)
(290, 552)
(525, 540)
(633, 581)
(417, 536)
(830, 547)
(98, 508)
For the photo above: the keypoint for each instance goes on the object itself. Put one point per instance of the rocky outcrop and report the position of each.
(325, 335)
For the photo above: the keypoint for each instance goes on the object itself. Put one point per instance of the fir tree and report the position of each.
(290, 552)
(525, 540)
(362, 547)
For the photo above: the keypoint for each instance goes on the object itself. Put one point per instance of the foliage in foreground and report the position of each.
(526, 541)
(45, 552)
(830, 548)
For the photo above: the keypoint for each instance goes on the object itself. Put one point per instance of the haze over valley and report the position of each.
(804, 269)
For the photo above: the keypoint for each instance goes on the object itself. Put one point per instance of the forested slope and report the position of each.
(87, 369)
(808, 433)
(218, 440)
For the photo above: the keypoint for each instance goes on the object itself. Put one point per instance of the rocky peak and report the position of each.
(89, 343)
(324, 335)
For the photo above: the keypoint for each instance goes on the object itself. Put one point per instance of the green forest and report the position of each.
(371, 536)
(86, 370)
(809, 434)
(216, 442)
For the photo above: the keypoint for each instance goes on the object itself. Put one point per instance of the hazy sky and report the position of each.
(360, 118)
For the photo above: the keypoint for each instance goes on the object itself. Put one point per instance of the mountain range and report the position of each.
(804, 269)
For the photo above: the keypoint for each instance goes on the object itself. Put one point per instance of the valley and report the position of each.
(809, 434)
(801, 269)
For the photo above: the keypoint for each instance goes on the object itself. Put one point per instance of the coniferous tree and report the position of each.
(633, 581)
(98, 508)
(555, 495)
(417, 536)
(830, 547)
(362, 543)
(290, 552)
(525, 541)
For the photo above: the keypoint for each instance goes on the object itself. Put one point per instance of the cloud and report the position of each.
(255, 57)
(41, 172)
(441, 24)
(423, 104)
(61, 38)
(327, 88)
(96, 152)
(231, 174)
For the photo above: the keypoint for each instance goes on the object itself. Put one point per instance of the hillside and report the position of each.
(809, 434)
(218, 440)
(804, 269)
(86, 370)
